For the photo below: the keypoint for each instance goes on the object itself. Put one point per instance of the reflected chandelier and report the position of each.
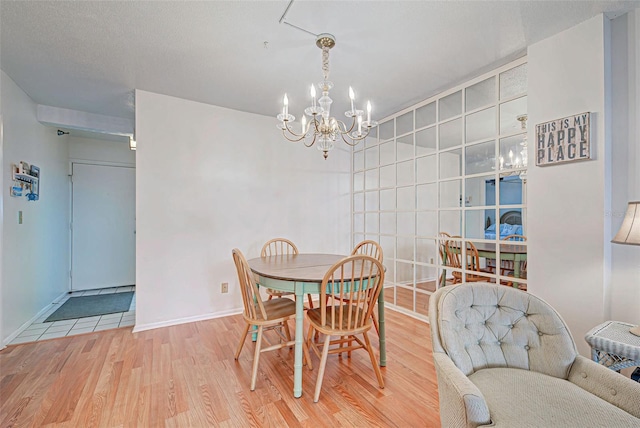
(321, 128)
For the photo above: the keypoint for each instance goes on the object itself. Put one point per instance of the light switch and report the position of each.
(19, 217)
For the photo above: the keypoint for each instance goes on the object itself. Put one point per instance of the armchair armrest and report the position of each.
(461, 402)
(606, 384)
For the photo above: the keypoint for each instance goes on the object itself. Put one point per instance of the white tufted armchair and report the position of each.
(506, 358)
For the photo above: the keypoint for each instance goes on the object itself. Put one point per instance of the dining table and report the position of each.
(513, 252)
(302, 274)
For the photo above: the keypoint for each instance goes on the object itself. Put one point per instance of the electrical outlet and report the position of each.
(225, 287)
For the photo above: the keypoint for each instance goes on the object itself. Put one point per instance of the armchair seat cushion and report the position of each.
(526, 398)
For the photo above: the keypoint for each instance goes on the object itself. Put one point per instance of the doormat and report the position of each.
(91, 306)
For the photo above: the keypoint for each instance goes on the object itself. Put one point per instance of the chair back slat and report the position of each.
(354, 284)
(278, 246)
(253, 306)
(369, 248)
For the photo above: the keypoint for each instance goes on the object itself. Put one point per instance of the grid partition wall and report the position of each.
(454, 164)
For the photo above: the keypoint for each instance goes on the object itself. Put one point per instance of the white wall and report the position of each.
(624, 289)
(569, 205)
(101, 151)
(35, 259)
(209, 179)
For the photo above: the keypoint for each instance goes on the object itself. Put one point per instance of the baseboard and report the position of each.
(24, 326)
(150, 326)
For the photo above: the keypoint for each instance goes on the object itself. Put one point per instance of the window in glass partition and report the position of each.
(371, 200)
(480, 158)
(404, 273)
(450, 194)
(455, 166)
(513, 262)
(386, 130)
(371, 157)
(358, 181)
(387, 152)
(427, 223)
(404, 147)
(481, 94)
(388, 244)
(358, 202)
(512, 152)
(371, 223)
(406, 199)
(426, 141)
(422, 302)
(388, 200)
(372, 139)
(405, 173)
(511, 189)
(358, 160)
(450, 106)
(475, 224)
(450, 163)
(450, 134)
(426, 115)
(450, 222)
(388, 223)
(427, 195)
(509, 113)
(513, 82)
(406, 223)
(371, 179)
(426, 251)
(480, 125)
(404, 248)
(426, 169)
(480, 191)
(358, 223)
(482, 267)
(405, 298)
(388, 176)
(404, 123)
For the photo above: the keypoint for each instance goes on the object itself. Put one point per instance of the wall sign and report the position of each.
(563, 140)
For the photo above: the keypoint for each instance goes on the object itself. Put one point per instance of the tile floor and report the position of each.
(41, 330)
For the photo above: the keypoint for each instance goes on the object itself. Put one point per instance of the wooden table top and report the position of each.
(504, 248)
(294, 267)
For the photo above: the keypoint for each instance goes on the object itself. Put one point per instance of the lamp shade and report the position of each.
(629, 232)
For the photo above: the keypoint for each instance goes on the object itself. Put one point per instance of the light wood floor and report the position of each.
(186, 376)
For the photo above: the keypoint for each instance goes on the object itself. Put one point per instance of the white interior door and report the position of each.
(103, 226)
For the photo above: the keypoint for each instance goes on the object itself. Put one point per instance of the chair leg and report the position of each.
(323, 364)
(374, 317)
(376, 367)
(287, 333)
(242, 339)
(256, 359)
(310, 301)
(307, 354)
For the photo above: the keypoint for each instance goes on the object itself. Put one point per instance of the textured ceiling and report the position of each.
(91, 55)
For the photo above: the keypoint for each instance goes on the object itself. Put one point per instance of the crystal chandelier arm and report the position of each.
(297, 137)
(354, 140)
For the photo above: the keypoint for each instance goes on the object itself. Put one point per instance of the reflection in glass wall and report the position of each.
(454, 166)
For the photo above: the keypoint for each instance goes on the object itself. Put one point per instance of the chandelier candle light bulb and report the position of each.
(321, 127)
(352, 97)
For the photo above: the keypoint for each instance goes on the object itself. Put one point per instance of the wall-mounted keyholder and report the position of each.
(26, 181)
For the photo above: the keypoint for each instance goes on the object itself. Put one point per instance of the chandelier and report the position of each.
(518, 160)
(321, 128)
